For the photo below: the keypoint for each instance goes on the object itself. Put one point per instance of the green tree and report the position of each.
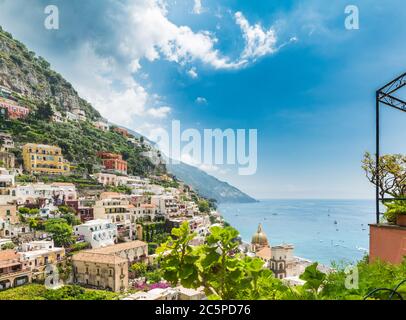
(71, 219)
(44, 112)
(23, 210)
(34, 212)
(204, 206)
(8, 246)
(392, 177)
(154, 276)
(60, 231)
(36, 223)
(139, 269)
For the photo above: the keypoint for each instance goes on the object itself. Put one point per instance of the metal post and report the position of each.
(377, 169)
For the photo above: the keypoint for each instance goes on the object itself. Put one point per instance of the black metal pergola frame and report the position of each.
(385, 96)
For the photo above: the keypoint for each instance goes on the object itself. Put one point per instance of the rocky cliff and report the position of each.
(34, 81)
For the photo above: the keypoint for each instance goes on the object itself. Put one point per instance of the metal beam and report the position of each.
(393, 102)
(394, 85)
(377, 158)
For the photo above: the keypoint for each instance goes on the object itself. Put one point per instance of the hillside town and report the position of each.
(98, 236)
(100, 231)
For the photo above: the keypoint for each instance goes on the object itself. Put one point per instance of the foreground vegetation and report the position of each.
(39, 292)
(226, 274)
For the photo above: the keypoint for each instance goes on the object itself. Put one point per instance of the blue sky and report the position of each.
(287, 68)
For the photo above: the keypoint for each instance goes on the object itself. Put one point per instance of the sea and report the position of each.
(325, 231)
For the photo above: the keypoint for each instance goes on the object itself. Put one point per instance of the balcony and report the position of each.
(19, 273)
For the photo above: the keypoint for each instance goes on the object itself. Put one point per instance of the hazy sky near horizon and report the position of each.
(289, 69)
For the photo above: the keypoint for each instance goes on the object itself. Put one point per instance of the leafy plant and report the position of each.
(179, 258)
(394, 209)
(216, 265)
(314, 278)
(139, 269)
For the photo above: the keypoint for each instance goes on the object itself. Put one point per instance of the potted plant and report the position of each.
(396, 213)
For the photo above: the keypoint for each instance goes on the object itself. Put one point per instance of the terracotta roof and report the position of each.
(8, 255)
(119, 247)
(265, 253)
(9, 258)
(98, 258)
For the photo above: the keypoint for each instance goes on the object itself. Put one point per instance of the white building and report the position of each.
(71, 117)
(167, 204)
(37, 245)
(7, 182)
(101, 125)
(37, 254)
(57, 117)
(81, 115)
(6, 142)
(58, 192)
(99, 233)
(107, 179)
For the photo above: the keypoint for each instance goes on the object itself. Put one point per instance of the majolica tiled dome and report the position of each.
(259, 238)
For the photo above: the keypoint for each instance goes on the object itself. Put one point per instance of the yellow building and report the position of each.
(39, 158)
(100, 271)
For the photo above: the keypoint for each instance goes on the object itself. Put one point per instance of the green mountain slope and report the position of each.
(207, 185)
(34, 81)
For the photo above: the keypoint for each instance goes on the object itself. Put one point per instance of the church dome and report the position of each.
(259, 238)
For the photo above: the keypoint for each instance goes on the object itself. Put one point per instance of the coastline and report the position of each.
(309, 225)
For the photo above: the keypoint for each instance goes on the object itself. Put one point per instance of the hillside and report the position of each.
(207, 185)
(80, 143)
(34, 81)
(39, 88)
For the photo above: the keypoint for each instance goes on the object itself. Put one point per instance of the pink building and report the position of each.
(14, 111)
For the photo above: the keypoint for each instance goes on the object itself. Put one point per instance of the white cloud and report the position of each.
(96, 80)
(198, 7)
(160, 112)
(201, 100)
(151, 35)
(193, 73)
(258, 41)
